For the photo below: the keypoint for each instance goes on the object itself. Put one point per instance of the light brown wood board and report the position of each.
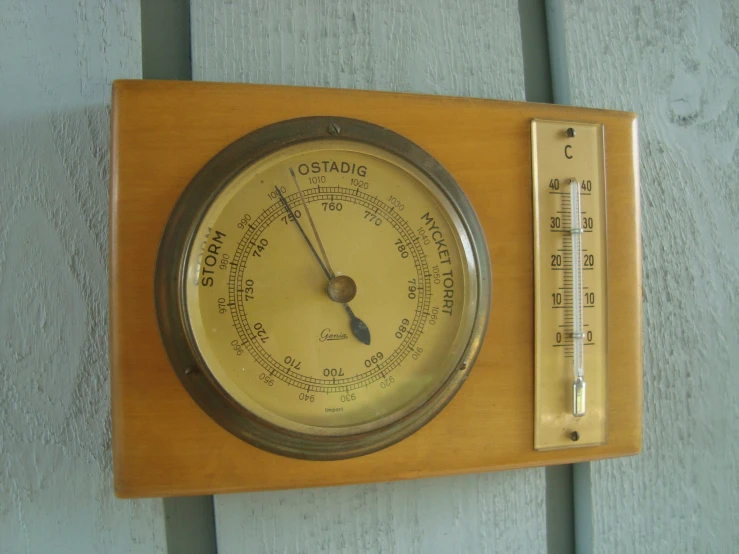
(164, 132)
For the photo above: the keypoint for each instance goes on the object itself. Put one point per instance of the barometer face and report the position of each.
(322, 288)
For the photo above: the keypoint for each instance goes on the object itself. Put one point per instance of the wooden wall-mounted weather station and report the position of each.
(318, 287)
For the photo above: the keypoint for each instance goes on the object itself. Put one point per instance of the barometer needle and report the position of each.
(359, 328)
(302, 232)
(312, 224)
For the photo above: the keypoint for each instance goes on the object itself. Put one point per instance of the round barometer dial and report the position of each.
(322, 288)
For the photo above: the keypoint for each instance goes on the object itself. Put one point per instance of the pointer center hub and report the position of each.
(342, 289)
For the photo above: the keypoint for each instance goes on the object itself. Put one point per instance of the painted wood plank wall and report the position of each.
(57, 61)
(464, 48)
(677, 65)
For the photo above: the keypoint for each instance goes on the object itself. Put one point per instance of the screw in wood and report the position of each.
(575, 436)
(571, 132)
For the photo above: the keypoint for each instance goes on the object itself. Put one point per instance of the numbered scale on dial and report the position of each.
(323, 286)
(570, 284)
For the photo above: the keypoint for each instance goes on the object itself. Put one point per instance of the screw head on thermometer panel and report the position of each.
(570, 276)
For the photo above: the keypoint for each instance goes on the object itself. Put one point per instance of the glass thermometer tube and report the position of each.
(578, 334)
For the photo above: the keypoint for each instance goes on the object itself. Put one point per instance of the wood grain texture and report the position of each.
(677, 65)
(57, 60)
(459, 48)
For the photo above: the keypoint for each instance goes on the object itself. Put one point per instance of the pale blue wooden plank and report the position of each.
(57, 61)
(462, 47)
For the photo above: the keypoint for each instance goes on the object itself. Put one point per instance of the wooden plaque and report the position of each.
(162, 135)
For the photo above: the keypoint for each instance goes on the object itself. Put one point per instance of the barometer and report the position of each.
(316, 287)
(322, 287)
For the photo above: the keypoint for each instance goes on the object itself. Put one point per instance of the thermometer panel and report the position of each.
(570, 281)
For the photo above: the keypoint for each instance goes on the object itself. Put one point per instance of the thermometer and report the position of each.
(570, 284)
